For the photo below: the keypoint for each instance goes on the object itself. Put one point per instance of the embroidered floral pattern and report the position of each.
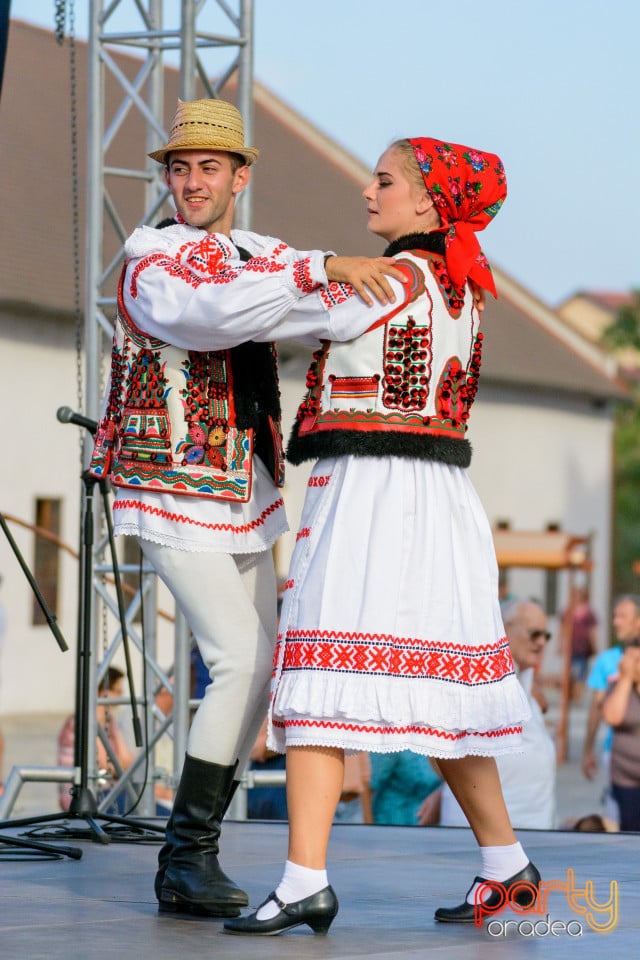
(311, 403)
(353, 653)
(208, 255)
(146, 430)
(205, 399)
(319, 481)
(407, 366)
(302, 275)
(454, 298)
(200, 448)
(336, 293)
(264, 265)
(468, 188)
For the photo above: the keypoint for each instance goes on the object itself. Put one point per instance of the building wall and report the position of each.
(541, 459)
(41, 460)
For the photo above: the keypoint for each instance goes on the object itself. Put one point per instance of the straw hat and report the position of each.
(206, 125)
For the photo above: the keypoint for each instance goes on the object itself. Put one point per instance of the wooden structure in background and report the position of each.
(548, 550)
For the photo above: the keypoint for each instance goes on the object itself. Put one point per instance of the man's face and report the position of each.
(626, 621)
(527, 635)
(203, 185)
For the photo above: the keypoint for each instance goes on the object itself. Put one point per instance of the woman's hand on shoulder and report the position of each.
(367, 276)
(478, 294)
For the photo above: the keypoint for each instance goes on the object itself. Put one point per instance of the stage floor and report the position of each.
(389, 881)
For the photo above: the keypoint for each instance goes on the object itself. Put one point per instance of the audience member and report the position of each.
(354, 805)
(621, 709)
(399, 784)
(528, 778)
(604, 670)
(112, 761)
(593, 823)
(579, 630)
(268, 802)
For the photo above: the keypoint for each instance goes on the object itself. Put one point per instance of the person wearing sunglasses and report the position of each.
(528, 778)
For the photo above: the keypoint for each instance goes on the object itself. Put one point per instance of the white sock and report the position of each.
(297, 883)
(500, 863)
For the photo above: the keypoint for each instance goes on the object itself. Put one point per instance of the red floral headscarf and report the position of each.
(468, 187)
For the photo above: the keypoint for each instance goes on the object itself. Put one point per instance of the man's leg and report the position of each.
(237, 650)
(242, 671)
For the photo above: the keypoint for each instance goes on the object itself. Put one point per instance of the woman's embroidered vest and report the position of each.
(188, 422)
(404, 388)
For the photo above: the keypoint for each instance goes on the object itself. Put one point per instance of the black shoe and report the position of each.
(465, 912)
(316, 911)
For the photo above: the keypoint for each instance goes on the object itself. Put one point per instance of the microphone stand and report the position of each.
(46, 850)
(83, 803)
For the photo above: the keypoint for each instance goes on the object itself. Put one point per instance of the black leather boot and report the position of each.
(193, 880)
(164, 856)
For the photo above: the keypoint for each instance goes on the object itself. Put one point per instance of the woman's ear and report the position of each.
(426, 210)
(424, 202)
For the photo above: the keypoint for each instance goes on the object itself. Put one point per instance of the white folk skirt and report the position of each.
(390, 635)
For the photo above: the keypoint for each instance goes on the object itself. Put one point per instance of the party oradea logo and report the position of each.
(601, 916)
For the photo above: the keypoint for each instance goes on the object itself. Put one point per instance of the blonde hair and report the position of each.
(409, 162)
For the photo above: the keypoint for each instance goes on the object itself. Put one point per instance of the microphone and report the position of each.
(67, 415)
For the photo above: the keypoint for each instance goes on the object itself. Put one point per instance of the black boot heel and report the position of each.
(317, 912)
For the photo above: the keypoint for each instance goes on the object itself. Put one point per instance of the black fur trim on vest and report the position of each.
(431, 242)
(383, 443)
(256, 394)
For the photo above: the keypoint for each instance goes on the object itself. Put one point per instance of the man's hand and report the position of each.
(367, 275)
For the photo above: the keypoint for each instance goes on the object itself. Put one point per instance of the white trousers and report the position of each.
(229, 603)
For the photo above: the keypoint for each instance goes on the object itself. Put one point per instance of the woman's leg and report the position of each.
(475, 783)
(314, 784)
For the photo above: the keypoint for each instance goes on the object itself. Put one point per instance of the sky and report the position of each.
(552, 86)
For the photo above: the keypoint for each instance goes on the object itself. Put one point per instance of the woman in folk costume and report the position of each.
(391, 636)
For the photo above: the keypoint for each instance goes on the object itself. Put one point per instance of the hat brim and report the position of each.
(250, 154)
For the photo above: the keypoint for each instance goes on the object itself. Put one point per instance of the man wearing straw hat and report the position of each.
(190, 438)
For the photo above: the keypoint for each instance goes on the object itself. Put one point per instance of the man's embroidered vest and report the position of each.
(404, 388)
(188, 422)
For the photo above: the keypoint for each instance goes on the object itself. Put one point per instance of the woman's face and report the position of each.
(395, 205)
